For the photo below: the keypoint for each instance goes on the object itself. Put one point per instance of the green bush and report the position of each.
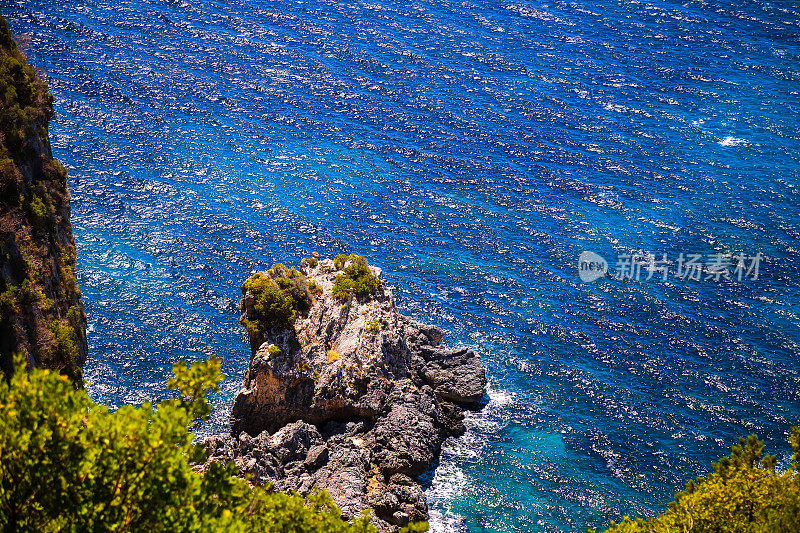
(744, 493)
(68, 464)
(357, 279)
(39, 214)
(374, 327)
(314, 288)
(271, 305)
(64, 346)
(8, 303)
(281, 296)
(25, 102)
(341, 259)
(294, 284)
(27, 293)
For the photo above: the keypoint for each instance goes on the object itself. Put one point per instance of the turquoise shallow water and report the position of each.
(472, 150)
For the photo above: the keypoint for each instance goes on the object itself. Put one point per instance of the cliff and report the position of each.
(41, 312)
(343, 392)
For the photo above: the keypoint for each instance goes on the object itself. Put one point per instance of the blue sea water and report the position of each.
(472, 149)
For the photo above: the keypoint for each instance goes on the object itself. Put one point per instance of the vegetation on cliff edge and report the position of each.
(69, 464)
(27, 105)
(280, 297)
(746, 492)
(41, 312)
(356, 280)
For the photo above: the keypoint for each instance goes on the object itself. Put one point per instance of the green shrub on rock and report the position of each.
(281, 296)
(356, 280)
(272, 306)
(25, 103)
(38, 213)
(314, 288)
(64, 347)
(341, 259)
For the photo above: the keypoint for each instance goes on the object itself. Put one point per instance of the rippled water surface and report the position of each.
(472, 150)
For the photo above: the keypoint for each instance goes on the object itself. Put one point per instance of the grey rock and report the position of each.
(456, 375)
(317, 456)
(346, 407)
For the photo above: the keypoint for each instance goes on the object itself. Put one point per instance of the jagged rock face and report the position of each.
(41, 311)
(357, 402)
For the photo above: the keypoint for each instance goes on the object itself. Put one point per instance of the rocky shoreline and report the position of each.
(350, 396)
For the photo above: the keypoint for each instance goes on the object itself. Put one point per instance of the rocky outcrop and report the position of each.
(352, 397)
(41, 312)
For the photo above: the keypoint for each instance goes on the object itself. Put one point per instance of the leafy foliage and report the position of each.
(26, 105)
(281, 296)
(357, 279)
(64, 347)
(745, 493)
(314, 288)
(68, 464)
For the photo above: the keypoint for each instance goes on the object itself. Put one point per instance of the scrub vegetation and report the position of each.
(356, 279)
(69, 464)
(41, 312)
(746, 492)
(280, 297)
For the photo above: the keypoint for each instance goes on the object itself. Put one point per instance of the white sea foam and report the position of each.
(497, 396)
(450, 482)
(732, 141)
